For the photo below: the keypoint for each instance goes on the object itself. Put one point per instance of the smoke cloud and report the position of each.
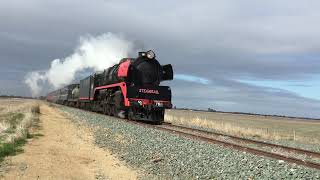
(96, 53)
(191, 78)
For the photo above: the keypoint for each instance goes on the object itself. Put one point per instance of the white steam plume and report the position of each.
(97, 53)
(35, 80)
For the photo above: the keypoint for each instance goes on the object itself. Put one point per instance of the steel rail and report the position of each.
(251, 141)
(242, 148)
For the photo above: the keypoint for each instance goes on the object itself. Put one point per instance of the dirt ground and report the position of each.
(65, 151)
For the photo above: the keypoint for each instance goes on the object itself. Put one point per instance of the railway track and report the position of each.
(202, 135)
(198, 135)
(248, 141)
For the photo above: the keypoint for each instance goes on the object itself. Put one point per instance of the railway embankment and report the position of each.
(166, 156)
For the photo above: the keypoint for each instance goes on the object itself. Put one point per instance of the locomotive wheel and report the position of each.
(108, 110)
(111, 110)
(105, 111)
(118, 100)
(114, 111)
(130, 114)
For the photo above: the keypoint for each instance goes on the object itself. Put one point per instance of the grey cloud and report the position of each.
(219, 40)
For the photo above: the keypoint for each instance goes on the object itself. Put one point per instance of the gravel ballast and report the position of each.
(166, 156)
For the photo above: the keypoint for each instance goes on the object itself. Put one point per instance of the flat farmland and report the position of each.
(255, 126)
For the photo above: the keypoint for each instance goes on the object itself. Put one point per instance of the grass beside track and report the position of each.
(255, 126)
(9, 149)
(16, 119)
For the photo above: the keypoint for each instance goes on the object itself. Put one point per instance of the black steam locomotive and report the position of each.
(130, 89)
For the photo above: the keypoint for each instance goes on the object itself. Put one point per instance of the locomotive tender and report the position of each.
(130, 89)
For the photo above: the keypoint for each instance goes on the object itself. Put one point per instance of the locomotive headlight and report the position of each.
(150, 54)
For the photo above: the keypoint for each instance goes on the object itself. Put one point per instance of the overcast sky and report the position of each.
(253, 56)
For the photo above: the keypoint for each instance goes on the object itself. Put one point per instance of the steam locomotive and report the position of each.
(130, 89)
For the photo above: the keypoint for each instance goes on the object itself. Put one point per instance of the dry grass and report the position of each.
(224, 127)
(16, 117)
(264, 127)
